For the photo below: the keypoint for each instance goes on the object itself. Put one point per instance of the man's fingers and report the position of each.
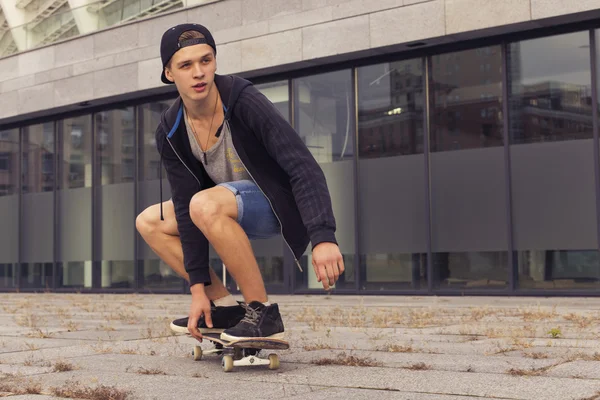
(331, 274)
(341, 264)
(208, 318)
(316, 268)
(193, 328)
(323, 276)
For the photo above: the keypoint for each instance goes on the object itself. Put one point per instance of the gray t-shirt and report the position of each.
(222, 161)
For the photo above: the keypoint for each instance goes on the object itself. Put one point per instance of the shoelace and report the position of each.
(251, 315)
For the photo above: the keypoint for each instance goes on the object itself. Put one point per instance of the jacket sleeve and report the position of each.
(286, 147)
(183, 187)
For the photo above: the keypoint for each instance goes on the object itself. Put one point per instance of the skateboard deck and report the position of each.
(262, 344)
(242, 352)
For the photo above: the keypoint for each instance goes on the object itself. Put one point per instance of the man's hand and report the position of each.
(200, 306)
(328, 263)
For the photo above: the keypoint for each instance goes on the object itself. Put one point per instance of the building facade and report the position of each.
(459, 139)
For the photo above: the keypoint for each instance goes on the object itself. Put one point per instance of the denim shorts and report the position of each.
(255, 214)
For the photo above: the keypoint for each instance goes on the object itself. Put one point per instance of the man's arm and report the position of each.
(183, 187)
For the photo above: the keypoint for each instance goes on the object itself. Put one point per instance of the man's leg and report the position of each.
(229, 215)
(163, 238)
(214, 211)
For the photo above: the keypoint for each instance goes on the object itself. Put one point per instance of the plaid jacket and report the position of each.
(274, 155)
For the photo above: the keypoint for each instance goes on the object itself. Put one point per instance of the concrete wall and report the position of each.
(256, 37)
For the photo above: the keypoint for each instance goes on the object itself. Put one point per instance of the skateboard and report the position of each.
(242, 352)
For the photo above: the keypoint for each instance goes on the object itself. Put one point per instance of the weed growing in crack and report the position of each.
(63, 366)
(348, 360)
(74, 390)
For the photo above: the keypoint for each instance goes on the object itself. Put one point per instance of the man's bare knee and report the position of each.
(148, 222)
(204, 209)
(209, 205)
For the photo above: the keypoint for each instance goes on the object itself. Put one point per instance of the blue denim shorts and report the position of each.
(255, 214)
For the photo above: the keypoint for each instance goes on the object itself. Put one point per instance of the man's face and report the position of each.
(193, 71)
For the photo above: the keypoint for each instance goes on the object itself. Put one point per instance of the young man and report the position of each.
(237, 171)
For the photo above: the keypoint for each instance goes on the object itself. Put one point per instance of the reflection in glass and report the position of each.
(269, 252)
(115, 152)
(392, 228)
(552, 163)
(38, 177)
(155, 273)
(9, 207)
(551, 93)
(74, 195)
(466, 90)
(468, 182)
(323, 116)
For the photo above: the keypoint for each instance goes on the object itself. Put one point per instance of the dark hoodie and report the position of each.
(274, 155)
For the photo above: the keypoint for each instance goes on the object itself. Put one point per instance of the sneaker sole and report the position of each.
(184, 329)
(279, 336)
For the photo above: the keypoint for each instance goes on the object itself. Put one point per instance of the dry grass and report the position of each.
(63, 366)
(365, 317)
(593, 397)
(30, 321)
(532, 371)
(107, 328)
(538, 314)
(74, 390)
(101, 348)
(418, 367)
(396, 348)
(478, 314)
(70, 325)
(31, 346)
(348, 360)
(154, 371)
(583, 357)
(317, 346)
(17, 388)
(38, 333)
(536, 355)
(579, 320)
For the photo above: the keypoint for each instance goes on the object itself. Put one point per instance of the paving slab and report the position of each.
(439, 362)
(360, 394)
(577, 369)
(342, 347)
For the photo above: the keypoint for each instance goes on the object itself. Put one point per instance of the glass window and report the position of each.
(467, 170)
(552, 163)
(74, 260)
(156, 274)
(392, 215)
(38, 206)
(551, 91)
(323, 115)
(9, 207)
(115, 131)
(269, 252)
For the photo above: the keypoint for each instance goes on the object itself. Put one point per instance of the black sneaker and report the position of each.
(222, 318)
(260, 321)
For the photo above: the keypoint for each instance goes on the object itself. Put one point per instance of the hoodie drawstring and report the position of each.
(160, 168)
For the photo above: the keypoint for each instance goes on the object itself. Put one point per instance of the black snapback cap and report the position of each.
(169, 43)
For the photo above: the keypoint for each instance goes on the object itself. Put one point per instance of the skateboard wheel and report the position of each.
(197, 353)
(273, 361)
(227, 363)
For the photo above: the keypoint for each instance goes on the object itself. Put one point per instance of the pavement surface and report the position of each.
(342, 347)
